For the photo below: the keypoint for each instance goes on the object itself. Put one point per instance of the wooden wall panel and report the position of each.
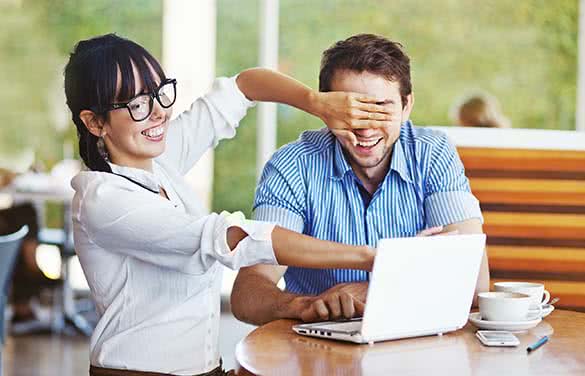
(533, 202)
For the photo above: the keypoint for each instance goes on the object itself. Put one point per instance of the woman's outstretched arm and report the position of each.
(294, 249)
(339, 110)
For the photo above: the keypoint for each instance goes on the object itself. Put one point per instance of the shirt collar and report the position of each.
(399, 162)
(340, 165)
(139, 175)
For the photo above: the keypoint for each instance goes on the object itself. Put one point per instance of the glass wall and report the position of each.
(522, 52)
(36, 38)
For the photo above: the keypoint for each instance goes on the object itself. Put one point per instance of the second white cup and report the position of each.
(538, 295)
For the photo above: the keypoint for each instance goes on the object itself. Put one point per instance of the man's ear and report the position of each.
(407, 109)
(92, 123)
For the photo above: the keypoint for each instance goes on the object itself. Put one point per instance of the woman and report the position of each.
(149, 252)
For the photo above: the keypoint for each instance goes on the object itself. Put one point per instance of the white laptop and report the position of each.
(419, 286)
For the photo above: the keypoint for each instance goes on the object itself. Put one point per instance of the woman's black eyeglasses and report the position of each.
(140, 107)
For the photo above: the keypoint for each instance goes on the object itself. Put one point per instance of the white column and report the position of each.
(189, 29)
(266, 127)
(581, 70)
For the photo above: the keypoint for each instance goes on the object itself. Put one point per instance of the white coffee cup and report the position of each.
(504, 306)
(538, 294)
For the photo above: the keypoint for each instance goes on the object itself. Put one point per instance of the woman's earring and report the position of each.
(101, 146)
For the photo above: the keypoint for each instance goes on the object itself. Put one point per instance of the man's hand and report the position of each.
(345, 300)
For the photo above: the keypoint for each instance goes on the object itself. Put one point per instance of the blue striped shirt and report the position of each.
(309, 187)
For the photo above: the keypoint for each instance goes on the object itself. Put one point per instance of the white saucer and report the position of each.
(529, 323)
(546, 310)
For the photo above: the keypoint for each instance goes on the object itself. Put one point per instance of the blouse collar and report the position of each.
(146, 178)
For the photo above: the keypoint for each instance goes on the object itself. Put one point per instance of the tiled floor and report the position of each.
(46, 355)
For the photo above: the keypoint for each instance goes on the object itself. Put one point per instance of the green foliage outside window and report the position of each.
(523, 52)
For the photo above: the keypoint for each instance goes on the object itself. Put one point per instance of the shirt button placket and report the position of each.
(368, 225)
(209, 336)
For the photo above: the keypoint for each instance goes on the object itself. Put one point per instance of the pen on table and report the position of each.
(537, 344)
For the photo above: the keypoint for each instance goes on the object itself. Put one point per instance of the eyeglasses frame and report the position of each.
(152, 95)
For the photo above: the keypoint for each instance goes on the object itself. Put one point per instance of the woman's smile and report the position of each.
(155, 134)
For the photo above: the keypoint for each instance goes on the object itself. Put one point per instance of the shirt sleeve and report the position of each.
(448, 197)
(280, 197)
(153, 230)
(211, 118)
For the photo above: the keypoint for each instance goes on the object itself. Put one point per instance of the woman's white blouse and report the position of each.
(151, 262)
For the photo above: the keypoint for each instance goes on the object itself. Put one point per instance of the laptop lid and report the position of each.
(422, 285)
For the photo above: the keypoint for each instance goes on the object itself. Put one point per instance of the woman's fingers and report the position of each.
(438, 231)
(431, 231)
(378, 107)
(361, 124)
(454, 232)
(346, 134)
(359, 114)
(368, 98)
(343, 110)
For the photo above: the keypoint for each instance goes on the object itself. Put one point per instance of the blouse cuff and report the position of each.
(227, 97)
(256, 248)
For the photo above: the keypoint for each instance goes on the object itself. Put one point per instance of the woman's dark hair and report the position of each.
(91, 82)
(367, 53)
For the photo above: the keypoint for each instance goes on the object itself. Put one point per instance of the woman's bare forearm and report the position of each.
(294, 249)
(260, 84)
(338, 110)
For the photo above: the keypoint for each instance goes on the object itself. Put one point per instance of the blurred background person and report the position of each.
(28, 279)
(479, 110)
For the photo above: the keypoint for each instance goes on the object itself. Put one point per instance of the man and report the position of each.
(355, 186)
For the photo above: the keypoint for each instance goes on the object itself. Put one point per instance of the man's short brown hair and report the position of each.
(367, 53)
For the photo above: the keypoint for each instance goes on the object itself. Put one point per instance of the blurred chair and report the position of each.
(66, 311)
(9, 246)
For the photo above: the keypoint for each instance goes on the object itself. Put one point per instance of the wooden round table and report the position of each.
(274, 349)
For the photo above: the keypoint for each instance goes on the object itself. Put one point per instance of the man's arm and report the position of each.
(473, 226)
(256, 299)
